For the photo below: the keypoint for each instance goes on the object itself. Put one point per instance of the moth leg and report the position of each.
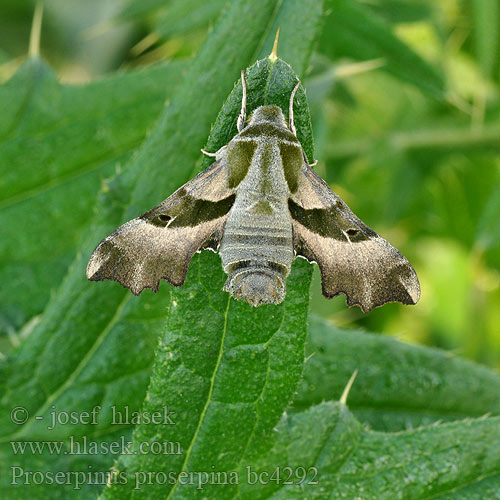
(313, 164)
(291, 123)
(213, 155)
(243, 113)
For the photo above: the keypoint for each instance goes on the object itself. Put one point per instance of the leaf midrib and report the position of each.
(207, 404)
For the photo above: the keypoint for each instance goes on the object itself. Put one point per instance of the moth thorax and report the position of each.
(257, 283)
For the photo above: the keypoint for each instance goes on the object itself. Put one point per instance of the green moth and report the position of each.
(260, 205)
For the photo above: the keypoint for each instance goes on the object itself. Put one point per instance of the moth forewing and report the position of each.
(160, 243)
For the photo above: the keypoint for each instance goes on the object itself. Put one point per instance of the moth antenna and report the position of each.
(205, 152)
(290, 110)
(345, 394)
(243, 112)
(36, 29)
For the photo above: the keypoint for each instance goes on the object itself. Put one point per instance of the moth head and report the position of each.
(270, 113)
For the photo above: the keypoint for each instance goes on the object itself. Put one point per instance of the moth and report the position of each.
(260, 205)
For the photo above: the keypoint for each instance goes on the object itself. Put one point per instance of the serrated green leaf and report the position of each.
(226, 365)
(398, 386)
(315, 441)
(352, 30)
(57, 143)
(347, 461)
(489, 488)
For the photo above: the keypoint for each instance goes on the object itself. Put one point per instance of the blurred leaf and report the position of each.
(459, 195)
(15, 24)
(319, 85)
(352, 30)
(402, 11)
(398, 386)
(486, 34)
(134, 9)
(488, 235)
(327, 446)
(449, 139)
(57, 142)
(181, 16)
(4, 57)
(398, 165)
(436, 140)
(299, 22)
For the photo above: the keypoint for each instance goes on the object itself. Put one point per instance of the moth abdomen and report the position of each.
(257, 282)
(257, 261)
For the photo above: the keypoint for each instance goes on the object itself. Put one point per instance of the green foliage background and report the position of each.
(403, 96)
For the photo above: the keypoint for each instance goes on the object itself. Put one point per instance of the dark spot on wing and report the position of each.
(191, 212)
(330, 223)
(164, 217)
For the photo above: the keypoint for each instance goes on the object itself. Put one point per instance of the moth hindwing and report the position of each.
(260, 205)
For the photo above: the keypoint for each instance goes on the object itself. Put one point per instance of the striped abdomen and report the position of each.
(257, 246)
